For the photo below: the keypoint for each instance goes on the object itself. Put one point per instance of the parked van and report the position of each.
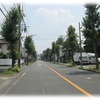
(92, 59)
(86, 58)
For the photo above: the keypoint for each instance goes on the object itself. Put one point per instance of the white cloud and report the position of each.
(56, 20)
(52, 23)
(57, 14)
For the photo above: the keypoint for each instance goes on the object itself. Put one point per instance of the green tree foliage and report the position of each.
(47, 54)
(72, 43)
(57, 50)
(10, 31)
(53, 50)
(89, 48)
(2, 55)
(91, 27)
(29, 45)
(60, 41)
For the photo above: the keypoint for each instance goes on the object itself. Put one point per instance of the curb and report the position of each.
(3, 79)
(90, 70)
(81, 69)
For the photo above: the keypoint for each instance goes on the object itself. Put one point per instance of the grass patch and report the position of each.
(70, 64)
(90, 69)
(11, 71)
(31, 62)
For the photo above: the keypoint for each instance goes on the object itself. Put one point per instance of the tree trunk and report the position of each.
(54, 58)
(27, 59)
(96, 55)
(13, 62)
(69, 55)
(12, 54)
(72, 58)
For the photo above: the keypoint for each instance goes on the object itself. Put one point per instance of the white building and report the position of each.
(3, 45)
(5, 50)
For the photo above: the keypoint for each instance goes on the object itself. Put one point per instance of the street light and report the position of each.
(80, 44)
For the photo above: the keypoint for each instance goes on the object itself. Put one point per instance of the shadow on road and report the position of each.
(80, 73)
(62, 67)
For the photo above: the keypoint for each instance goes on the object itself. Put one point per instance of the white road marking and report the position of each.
(8, 89)
(23, 74)
(16, 81)
(88, 78)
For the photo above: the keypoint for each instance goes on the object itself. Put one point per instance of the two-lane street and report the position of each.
(43, 78)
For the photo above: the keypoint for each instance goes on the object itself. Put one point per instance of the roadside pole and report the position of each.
(80, 44)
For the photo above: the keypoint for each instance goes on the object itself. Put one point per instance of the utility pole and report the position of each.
(80, 44)
(19, 35)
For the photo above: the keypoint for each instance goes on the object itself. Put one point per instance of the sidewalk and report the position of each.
(4, 78)
(2, 69)
(84, 66)
(91, 67)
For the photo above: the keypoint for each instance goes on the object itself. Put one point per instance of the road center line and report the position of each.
(67, 80)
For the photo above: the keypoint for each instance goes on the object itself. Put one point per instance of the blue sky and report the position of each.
(49, 20)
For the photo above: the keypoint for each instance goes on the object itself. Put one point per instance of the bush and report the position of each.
(2, 55)
(12, 71)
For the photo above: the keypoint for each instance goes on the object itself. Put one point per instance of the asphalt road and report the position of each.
(43, 78)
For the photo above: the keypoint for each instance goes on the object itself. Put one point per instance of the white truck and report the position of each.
(91, 58)
(86, 58)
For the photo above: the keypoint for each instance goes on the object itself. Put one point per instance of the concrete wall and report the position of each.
(5, 62)
(8, 62)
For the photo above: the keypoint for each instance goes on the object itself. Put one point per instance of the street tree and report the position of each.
(29, 45)
(10, 31)
(47, 54)
(91, 26)
(89, 48)
(72, 43)
(57, 47)
(60, 41)
(59, 44)
(54, 50)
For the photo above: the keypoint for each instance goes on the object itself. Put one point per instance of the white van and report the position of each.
(77, 58)
(86, 58)
(92, 59)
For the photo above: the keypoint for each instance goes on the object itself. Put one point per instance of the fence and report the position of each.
(5, 62)
(8, 62)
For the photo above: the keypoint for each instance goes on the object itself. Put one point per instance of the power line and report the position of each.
(5, 8)
(3, 13)
(27, 18)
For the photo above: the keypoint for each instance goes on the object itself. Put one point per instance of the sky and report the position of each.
(47, 21)
(51, 21)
